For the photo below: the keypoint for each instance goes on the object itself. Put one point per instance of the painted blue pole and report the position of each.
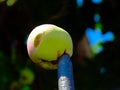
(65, 73)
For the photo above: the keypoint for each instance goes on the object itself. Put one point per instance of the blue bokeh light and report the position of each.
(96, 38)
(96, 17)
(102, 70)
(79, 3)
(93, 36)
(109, 36)
(97, 1)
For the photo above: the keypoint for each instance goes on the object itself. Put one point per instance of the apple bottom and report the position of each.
(48, 65)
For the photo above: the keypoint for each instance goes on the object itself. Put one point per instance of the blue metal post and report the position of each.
(65, 73)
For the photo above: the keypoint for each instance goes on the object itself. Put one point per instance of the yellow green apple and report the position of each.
(47, 43)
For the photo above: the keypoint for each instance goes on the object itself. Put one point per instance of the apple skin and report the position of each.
(47, 43)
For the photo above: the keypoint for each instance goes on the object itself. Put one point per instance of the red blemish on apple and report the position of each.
(58, 54)
(37, 40)
(65, 51)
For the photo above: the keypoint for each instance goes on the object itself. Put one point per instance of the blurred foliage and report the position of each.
(8, 2)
